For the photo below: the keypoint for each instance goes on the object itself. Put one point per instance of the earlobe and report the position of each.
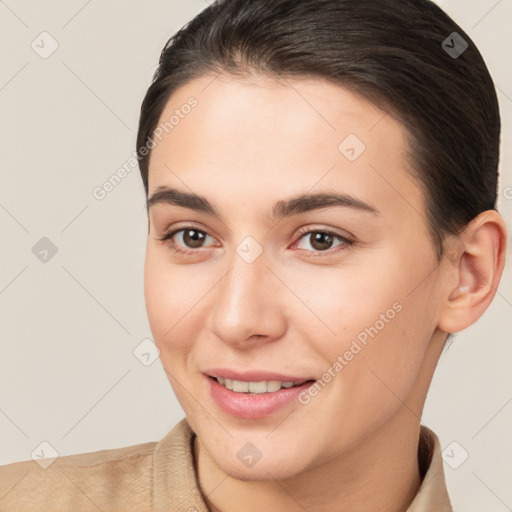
(476, 270)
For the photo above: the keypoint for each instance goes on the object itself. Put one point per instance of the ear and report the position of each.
(474, 268)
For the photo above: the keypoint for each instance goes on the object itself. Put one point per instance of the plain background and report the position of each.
(69, 326)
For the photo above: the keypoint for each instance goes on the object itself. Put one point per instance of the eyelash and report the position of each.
(347, 243)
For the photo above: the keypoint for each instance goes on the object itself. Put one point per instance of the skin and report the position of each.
(249, 143)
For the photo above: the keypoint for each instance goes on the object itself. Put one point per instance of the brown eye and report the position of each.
(322, 241)
(193, 238)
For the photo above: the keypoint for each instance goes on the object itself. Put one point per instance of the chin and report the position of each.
(263, 470)
(269, 472)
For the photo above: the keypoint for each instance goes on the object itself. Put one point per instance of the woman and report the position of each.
(321, 182)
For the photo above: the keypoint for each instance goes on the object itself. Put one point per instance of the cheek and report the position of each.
(382, 322)
(372, 379)
(392, 368)
(346, 303)
(172, 296)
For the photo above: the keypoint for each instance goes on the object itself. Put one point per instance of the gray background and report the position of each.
(69, 326)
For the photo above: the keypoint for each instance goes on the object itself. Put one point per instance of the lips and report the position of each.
(254, 405)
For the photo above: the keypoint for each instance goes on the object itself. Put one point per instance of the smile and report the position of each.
(255, 399)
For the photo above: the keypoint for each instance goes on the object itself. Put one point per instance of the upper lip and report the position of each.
(254, 375)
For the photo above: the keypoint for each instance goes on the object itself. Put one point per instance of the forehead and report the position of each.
(277, 112)
(279, 137)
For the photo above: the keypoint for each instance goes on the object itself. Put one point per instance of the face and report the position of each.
(260, 285)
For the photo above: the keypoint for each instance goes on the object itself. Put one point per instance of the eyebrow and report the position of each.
(283, 208)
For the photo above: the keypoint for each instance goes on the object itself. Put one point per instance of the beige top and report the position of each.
(157, 476)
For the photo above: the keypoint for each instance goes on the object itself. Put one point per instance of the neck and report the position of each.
(380, 474)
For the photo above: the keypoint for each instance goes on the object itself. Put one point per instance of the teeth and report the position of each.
(273, 385)
(240, 386)
(255, 388)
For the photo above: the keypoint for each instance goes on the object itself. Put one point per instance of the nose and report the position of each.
(248, 307)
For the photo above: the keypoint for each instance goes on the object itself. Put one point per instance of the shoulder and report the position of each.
(115, 479)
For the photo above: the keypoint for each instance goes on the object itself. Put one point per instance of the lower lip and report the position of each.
(245, 405)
